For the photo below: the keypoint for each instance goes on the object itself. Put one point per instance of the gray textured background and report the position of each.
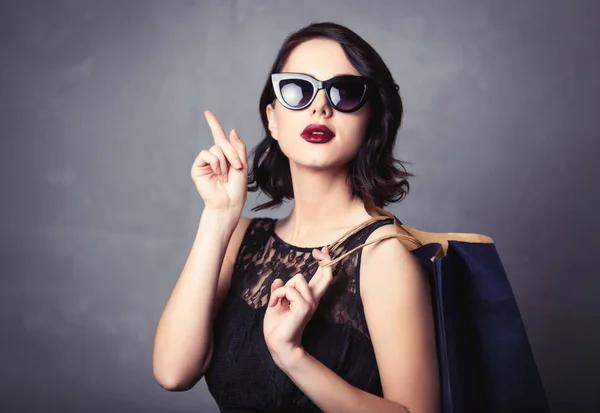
(101, 118)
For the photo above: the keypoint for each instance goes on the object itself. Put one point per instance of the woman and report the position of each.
(253, 311)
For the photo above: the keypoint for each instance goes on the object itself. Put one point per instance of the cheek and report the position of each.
(289, 126)
(353, 135)
(358, 129)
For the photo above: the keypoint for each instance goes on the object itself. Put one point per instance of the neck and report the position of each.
(322, 200)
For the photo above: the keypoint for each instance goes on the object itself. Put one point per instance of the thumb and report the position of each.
(274, 285)
(321, 280)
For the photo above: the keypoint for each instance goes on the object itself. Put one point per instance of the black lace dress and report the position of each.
(242, 376)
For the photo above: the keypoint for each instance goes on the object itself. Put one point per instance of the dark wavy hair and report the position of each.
(374, 172)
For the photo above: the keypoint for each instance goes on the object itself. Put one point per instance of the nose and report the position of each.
(321, 106)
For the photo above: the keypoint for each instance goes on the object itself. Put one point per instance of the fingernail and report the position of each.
(238, 164)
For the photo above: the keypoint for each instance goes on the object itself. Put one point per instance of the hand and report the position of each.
(291, 306)
(221, 173)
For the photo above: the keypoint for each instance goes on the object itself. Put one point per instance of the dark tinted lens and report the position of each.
(296, 92)
(347, 94)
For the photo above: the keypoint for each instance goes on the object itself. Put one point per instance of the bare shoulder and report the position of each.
(237, 237)
(389, 251)
(387, 261)
(231, 254)
(242, 225)
(398, 312)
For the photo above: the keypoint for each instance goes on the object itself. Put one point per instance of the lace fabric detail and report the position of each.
(263, 257)
(242, 374)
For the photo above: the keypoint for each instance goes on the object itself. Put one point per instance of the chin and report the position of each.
(317, 156)
(318, 164)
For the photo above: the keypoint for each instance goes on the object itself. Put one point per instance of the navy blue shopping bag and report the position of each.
(485, 359)
(486, 362)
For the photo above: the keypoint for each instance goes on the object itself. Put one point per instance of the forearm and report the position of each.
(184, 330)
(330, 392)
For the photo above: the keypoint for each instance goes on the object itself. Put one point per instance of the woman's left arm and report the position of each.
(397, 306)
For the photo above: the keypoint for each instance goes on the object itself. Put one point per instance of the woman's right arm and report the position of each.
(183, 340)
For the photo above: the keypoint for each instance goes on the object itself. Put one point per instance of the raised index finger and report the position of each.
(215, 127)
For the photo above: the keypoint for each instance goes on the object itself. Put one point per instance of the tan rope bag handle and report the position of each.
(378, 215)
(409, 237)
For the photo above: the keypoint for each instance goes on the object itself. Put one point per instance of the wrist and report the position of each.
(222, 217)
(218, 222)
(287, 360)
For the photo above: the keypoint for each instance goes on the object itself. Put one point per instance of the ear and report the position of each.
(271, 120)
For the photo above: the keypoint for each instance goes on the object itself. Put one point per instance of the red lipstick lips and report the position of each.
(317, 134)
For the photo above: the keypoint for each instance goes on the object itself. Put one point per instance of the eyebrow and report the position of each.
(336, 75)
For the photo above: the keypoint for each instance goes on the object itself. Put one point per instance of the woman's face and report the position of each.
(322, 59)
